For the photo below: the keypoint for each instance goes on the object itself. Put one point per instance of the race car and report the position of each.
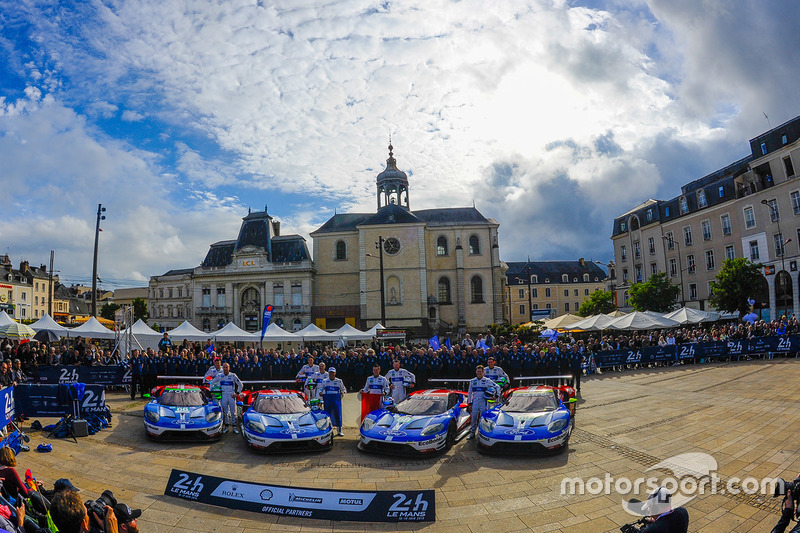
(427, 421)
(538, 418)
(182, 412)
(284, 421)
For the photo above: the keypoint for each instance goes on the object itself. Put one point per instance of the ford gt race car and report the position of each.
(531, 419)
(182, 412)
(426, 421)
(283, 421)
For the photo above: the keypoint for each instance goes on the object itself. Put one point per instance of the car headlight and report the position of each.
(255, 426)
(431, 430)
(487, 425)
(213, 416)
(368, 424)
(557, 425)
(323, 423)
(152, 416)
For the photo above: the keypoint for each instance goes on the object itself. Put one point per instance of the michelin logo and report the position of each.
(303, 499)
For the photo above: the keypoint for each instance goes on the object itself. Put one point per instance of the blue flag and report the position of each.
(265, 321)
(447, 343)
(434, 342)
(210, 348)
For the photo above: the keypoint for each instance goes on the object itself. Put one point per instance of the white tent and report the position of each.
(560, 321)
(592, 323)
(275, 333)
(230, 332)
(687, 315)
(312, 333)
(189, 332)
(641, 321)
(92, 329)
(46, 322)
(373, 331)
(144, 337)
(5, 319)
(351, 333)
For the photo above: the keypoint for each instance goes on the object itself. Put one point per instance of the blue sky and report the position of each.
(551, 116)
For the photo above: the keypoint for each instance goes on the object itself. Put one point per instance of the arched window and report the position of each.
(684, 205)
(564, 278)
(585, 277)
(206, 324)
(634, 223)
(476, 290)
(444, 291)
(441, 245)
(297, 325)
(341, 251)
(474, 245)
(534, 279)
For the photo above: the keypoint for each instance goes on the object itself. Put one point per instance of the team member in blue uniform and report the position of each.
(481, 389)
(231, 386)
(332, 389)
(136, 373)
(575, 362)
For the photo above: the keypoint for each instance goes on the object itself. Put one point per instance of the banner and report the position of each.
(44, 401)
(266, 320)
(97, 375)
(7, 399)
(323, 504)
(698, 350)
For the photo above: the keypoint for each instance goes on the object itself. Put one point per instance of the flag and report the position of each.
(434, 342)
(265, 321)
(447, 343)
(210, 348)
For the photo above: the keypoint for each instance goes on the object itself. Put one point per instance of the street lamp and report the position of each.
(379, 246)
(671, 241)
(100, 216)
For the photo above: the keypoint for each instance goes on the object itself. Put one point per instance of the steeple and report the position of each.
(392, 184)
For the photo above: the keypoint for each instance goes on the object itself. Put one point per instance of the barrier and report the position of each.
(95, 375)
(44, 401)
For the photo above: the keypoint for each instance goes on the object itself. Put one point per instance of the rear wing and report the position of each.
(248, 382)
(445, 381)
(552, 381)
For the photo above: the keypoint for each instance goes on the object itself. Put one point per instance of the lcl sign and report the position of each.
(247, 263)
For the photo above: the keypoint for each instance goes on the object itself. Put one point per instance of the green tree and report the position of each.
(734, 284)
(139, 309)
(108, 310)
(656, 294)
(600, 302)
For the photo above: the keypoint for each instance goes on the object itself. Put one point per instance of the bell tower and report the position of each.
(392, 184)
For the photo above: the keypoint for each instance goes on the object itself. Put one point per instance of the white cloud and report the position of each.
(132, 116)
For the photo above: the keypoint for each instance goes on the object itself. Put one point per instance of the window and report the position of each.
(730, 253)
(622, 226)
(754, 255)
(474, 245)
(721, 191)
(220, 296)
(564, 278)
(180, 292)
(277, 295)
(536, 306)
(666, 211)
(585, 278)
(297, 294)
(701, 198)
(651, 244)
(522, 310)
(160, 293)
(673, 267)
(548, 306)
(684, 206)
(169, 292)
(749, 218)
(24, 311)
(35, 300)
(687, 236)
(788, 167)
(693, 291)
(653, 268)
(206, 296)
(624, 275)
(522, 293)
(36, 313)
(566, 292)
(763, 148)
(796, 202)
(623, 252)
(37, 286)
(710, 260)
(690, 264)
(649, 215)
(638, 273)
(705, 226)
(534, 293)
(534, 279)
(476, 288)
(725, 220)
(341, 251)
(206, 324)
(566, 307)
(637, 251)
(586, 292)
(441, 245)
(779, 249)
(774, 214)
(547, 293)
(784, 139)
(575, 292)
(670, 240)
(444, 291)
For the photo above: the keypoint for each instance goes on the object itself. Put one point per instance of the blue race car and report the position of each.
(182, 412)
(428, 421)
(283, 421)
(532, 419)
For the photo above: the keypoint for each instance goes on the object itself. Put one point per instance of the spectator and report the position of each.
(69, 515)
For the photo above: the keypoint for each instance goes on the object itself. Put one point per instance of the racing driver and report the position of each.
(231, 387)
(481, 389)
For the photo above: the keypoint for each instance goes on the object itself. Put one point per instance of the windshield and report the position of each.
(419, 405)
(525, 402)
(280, 405)
(182, 398)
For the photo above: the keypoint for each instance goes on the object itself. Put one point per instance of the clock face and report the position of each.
(391, 246)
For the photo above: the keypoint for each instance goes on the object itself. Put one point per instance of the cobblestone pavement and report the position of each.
(743, 414)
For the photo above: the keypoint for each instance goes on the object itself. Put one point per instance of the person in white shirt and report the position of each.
(481, 389)
(399, 380)
(308, 370)
(231, 386)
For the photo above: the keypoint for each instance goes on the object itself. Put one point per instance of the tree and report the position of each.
(139, 309)
(108, 310)
(735, 283)
(600, 302)
(656, 294)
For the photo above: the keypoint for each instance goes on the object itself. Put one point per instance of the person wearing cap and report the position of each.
(399, 379)
(231, 386)
(127, 518)
(481, 389)
(661, 516)
(64, 484)
(332, 389)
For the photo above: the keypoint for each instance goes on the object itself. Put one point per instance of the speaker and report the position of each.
(80, 428)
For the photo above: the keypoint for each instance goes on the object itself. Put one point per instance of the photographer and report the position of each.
(660, 517)
(789, 507)
(70, 515)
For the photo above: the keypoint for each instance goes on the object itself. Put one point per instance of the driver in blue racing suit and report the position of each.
(231, 386)
(481, 389)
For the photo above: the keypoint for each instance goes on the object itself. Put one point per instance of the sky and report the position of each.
(550, 116)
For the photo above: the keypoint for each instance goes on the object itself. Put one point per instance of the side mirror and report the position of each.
(146, 395)
(463, 405)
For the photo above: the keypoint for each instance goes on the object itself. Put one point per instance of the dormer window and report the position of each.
(684, 205)
(534, 279)
(564, 278)
(701, 198)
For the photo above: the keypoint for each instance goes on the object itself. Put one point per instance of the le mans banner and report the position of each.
(324, 504)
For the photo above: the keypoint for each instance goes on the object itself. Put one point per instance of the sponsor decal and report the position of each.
(393, 433)
(303, 499)
(292, 431)
(266, 495)
(351, 501)
(519, 431)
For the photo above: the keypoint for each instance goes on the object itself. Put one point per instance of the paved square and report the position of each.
(744, 414)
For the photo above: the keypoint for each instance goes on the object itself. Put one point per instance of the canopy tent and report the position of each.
(47, 323)
(352, 334)
(373, 331)
(687, 315)
(92, 329)
(275, 333)
(15, 330)
(230, 332)
(144, 337)
(616, 313)
(560, 321)
(186, 331)
(5, 319)
(312, 333)
(638, 320)
(141, 329)
(592, 323)
(84, 319)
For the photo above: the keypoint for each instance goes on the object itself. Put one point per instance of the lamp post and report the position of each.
(671, 241)
(379, 246)
(100, 216)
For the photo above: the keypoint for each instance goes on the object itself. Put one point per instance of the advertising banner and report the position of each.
(7, 399)
(45, 400)
(96, 375)
(324, 504)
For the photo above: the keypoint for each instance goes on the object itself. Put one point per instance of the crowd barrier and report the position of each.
(97, 375)
(698, 350)
(44, 400)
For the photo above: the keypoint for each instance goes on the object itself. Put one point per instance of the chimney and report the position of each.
(276, 228)
(582, 262)
(43, 268)
(23, 267)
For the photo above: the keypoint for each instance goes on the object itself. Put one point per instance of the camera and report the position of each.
(787, 488)
(98, 506)
(633, 527)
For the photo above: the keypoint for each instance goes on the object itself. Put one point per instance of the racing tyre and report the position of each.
(451, 436)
